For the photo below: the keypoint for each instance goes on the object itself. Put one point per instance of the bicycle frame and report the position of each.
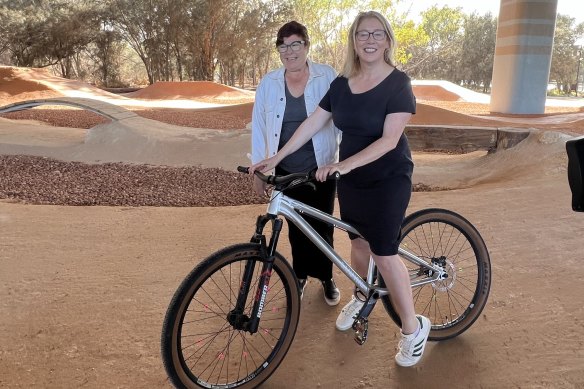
(282, 205)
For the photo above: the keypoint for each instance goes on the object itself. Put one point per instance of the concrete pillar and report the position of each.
(523, 54)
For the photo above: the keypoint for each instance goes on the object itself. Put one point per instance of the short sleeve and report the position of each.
(403, 100)
(325, 102)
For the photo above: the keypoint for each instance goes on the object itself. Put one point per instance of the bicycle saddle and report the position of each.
(575, 150)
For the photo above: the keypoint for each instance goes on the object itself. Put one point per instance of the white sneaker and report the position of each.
(411, 347)
(349, 313)
(302, 285)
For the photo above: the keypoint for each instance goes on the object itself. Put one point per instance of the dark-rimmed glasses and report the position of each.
(363, 35)
(295, 46)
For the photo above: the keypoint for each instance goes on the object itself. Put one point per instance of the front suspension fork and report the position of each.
(267, 254)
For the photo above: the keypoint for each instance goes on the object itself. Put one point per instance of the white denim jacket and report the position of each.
(268, 114)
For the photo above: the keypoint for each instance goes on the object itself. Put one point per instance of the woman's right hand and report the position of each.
(265, 165)
(260, 187)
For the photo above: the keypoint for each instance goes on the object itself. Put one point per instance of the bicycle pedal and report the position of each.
(360, 326)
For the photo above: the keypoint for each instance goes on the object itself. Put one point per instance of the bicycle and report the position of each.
(233, 318)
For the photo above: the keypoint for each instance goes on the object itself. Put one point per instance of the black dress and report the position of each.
(373, 198)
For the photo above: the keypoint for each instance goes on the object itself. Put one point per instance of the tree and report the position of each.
(438, 58)
(22, 28)
(478, 46)
(69, 28)
(40, 33)
(255, 25)
(106, 53)
(411, 40)
(138, 22)
(565, 52)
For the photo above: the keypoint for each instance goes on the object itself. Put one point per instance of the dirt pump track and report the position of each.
(84, 289)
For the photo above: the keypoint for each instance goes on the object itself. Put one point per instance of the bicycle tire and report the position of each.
(455, 303)
(200, 349)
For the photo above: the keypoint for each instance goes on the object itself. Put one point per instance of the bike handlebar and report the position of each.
(282, 180)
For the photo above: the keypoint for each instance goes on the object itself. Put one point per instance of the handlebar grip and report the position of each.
(262, 176)
(335, 176)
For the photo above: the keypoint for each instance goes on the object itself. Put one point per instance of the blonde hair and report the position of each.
(352, 65)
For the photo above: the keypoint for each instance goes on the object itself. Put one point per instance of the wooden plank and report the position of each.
(462, 139)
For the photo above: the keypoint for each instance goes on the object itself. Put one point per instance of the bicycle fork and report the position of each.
(236, 317)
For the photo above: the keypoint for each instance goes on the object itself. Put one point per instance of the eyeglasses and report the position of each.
(363, 35)
(295, 46)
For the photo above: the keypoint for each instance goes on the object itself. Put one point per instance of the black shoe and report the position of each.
(301, 285)
(332, 296)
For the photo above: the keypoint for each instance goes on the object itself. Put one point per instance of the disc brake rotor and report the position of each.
(447, 283)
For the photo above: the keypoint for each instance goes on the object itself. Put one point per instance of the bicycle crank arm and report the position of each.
(361, 323)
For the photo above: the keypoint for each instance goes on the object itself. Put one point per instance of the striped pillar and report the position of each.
(523, 53)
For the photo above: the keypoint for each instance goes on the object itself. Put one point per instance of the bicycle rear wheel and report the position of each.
(201, 349)
(445, 238)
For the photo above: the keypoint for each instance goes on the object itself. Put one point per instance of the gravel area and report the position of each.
(40, 180)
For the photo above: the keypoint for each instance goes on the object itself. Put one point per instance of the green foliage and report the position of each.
(409, 37)
(565, 53)
(232, 41)
(439, 55)
(328, 23)
(478, 51)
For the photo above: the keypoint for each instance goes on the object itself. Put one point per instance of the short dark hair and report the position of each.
(292, 28)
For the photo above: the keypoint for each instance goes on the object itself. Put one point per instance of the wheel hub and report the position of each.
(238, 320)
(448, 277)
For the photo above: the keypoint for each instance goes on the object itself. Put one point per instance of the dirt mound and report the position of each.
(434, 93)
(198, 90)
(454, 115)
(541, 154)
(430, 115)
(20, 84)
(12, 82)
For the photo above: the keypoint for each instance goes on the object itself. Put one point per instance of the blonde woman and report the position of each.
(371, 102)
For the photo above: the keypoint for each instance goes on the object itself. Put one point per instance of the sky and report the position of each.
(574, 8)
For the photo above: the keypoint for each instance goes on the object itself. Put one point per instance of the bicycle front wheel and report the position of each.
(448, 240)
(201, 349)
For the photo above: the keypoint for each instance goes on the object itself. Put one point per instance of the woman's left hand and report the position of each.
(325, 171)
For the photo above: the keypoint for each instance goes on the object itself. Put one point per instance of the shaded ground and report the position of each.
(84, 291)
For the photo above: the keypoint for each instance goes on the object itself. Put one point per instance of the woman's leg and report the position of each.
(360, 263)
(360, 256)
(396, 277)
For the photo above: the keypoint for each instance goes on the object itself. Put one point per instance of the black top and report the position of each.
(360, 116)
(373, 198)
(303, 159)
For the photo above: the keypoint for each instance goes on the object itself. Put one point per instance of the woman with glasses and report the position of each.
(371, 102)
(284, 99)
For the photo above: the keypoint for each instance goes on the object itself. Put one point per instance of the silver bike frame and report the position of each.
(282, 205)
